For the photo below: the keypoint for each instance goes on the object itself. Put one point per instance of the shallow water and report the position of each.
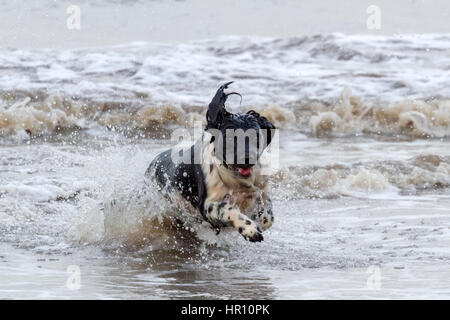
(328, 236)
(325, 253)
(360, 187)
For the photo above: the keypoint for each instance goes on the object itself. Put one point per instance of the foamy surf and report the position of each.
(322, 84)
(348, 116)
(267, 70)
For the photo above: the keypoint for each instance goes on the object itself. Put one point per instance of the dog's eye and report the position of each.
(212, 139)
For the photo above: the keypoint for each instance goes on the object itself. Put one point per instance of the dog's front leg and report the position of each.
(265, 214)
(223, 214)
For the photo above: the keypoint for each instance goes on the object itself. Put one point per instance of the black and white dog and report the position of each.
(226, 185)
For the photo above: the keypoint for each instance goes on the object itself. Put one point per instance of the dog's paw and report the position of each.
(265, 220)
(251, 232)
(257, 237)
(225, 214)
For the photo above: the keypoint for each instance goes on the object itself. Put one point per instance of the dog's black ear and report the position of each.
(216, 109)
(264, 123)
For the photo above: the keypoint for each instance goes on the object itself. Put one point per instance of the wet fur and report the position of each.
(222, 198)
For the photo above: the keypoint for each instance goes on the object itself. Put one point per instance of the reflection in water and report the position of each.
(194, 270)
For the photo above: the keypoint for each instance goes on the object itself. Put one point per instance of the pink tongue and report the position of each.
(245, 172)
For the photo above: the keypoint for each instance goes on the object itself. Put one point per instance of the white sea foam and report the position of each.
(325, 83)
(266, 70)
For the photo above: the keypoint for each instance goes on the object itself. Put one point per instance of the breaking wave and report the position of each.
(54, 114)
(420, 174)
(350, 115)
(416, 118)
(301, 83)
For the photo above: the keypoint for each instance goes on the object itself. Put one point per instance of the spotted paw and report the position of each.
(251, 232)
(257, 237)
(265, 220)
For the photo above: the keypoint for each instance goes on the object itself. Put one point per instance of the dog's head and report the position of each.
(239, 139)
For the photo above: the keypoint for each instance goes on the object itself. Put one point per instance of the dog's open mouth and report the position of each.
(244, 170)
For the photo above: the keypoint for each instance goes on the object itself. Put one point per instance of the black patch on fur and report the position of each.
(221, 205)
(188, 179)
